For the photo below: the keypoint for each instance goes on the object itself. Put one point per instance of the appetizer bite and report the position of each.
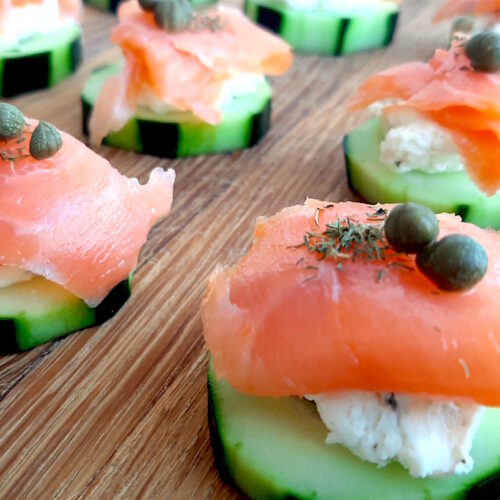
(72, 227)
(435, 133)
(471, 16)
(350, 338)
(40, 44)
(191, 83)
(328, 27)
(112, 5)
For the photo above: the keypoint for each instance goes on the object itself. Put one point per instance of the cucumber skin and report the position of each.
(477, 208)
(37, 70)
(487, 489)
(324, 33)
(258, 485)
(20, 334)
(169, 148)
(112, 5)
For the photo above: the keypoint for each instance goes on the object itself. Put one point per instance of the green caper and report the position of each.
(456, 262)
(45, 141)
(12, 122)
(410, 227)
(173, 15)
(463, 24)
(483, 50)
(148, 5)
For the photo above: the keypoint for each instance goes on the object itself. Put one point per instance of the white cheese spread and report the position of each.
(427, 436)
(30, 20)
(413, 142)
(239, 85)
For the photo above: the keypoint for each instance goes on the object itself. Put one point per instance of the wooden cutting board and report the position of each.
(120, 410)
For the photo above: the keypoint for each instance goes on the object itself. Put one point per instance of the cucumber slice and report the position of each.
(326, 33)
(112, 5)
(37, 311)
(450, 192)
(40, 61)
(179, 134)
(275, 448)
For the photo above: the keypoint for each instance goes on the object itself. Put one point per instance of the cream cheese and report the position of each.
(239, 85)
(30, 20)
(413, 142)
(429, 437)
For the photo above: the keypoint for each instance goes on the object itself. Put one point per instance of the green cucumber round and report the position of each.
(179, 134)
(274, 448)
(451, 192)
(37, 311)
(40, 61)
(326, 33)
(112, 5)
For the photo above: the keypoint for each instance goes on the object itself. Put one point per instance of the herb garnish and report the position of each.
(204, 22)
(318, 211)
(379, 275)
(379, 214)
(454, 263)
(346, 239)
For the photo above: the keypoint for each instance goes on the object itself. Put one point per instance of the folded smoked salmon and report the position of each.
(340, 329)
(182, 92)
(398, 368)
(72, 227)
(434, 137)
(454, 8)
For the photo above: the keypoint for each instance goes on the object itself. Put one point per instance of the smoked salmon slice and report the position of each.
(74, 219)
(185, 70)
(448, 91)
(454, 8)
(283, 322)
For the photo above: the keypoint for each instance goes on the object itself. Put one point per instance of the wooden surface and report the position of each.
(120, 411)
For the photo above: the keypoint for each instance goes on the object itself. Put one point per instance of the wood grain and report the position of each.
(120, 411)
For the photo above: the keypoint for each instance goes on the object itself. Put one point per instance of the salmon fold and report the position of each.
(74, 219)
(285, 322)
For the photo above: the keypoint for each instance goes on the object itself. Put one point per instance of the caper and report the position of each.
(463, 24)
(45, 141)
(148, 5)
(12, 122)
(173, 15)
(456, 262)
(483, 50)
(410, 227)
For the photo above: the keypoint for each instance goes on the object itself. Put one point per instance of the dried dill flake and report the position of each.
(346, 239)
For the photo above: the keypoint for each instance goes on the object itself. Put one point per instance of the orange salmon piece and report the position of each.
(455, 8)
(282, 322)
(186, 70)
(449, 92)
(76, 220)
